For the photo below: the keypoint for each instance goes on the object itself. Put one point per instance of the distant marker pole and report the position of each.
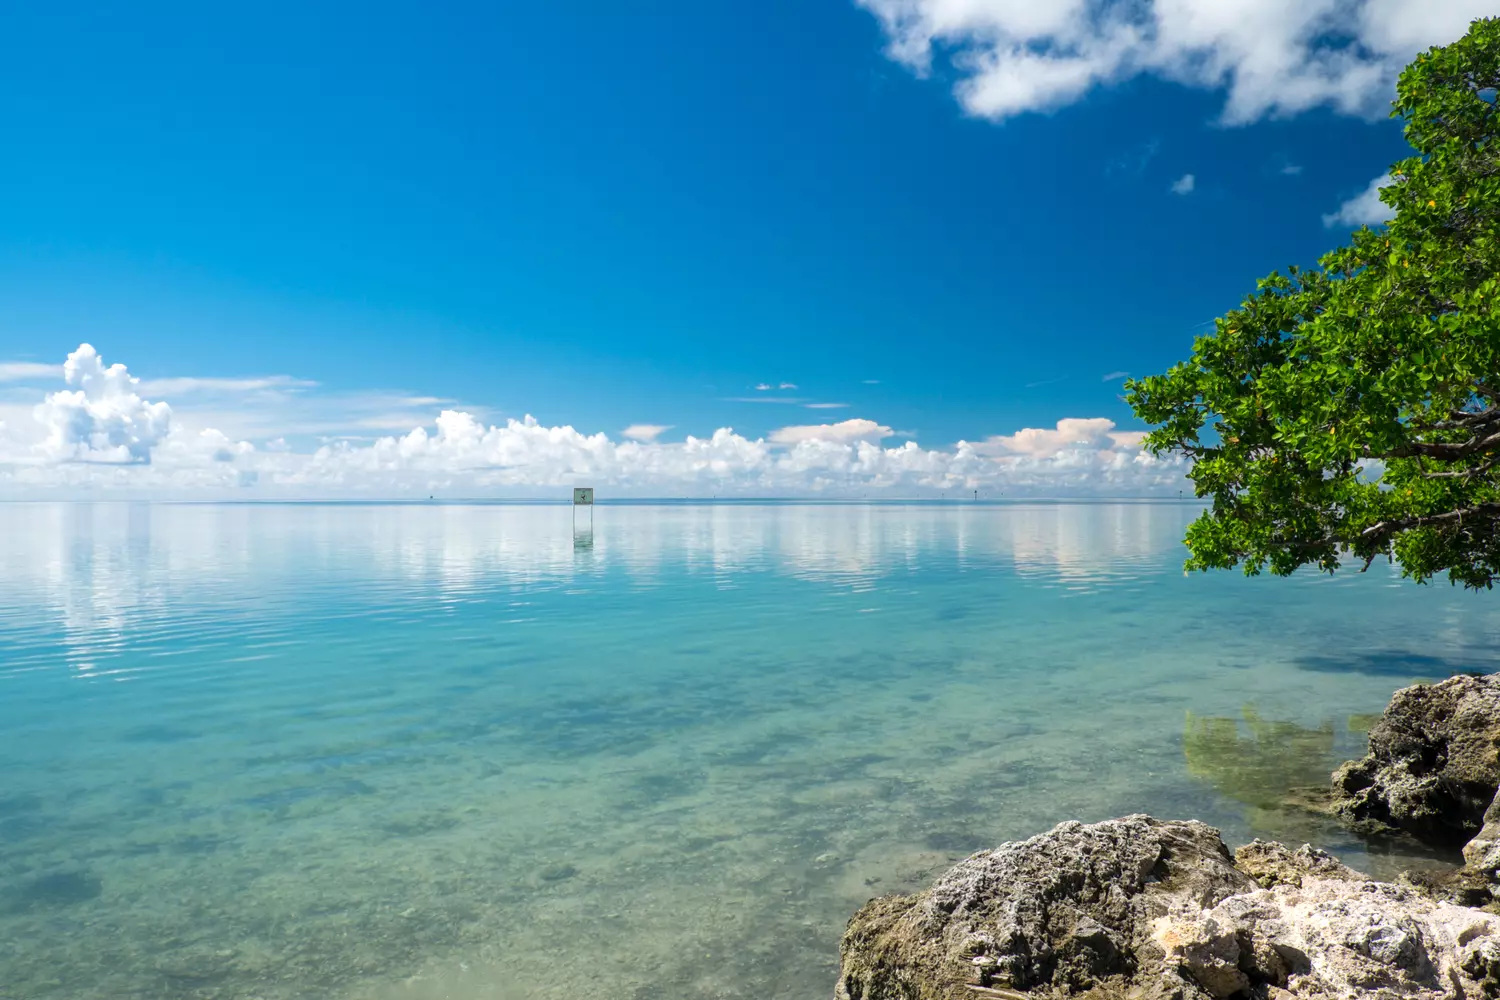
(583, 496)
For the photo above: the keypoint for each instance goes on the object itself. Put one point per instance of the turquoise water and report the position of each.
(419, 752)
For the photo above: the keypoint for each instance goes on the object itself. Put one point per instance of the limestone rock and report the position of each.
(1483, 852)
(1433, 765)
(1063, 910)
(1465, 886)
(1271, 864)
(1141, 909)
(1338, 938)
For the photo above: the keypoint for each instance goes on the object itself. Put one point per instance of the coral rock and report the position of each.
(1143, 909)
(1433, 765)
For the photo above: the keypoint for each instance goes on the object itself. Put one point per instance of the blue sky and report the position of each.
(609, 215)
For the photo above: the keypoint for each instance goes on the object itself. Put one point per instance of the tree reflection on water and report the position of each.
(1279, 770)
(1282, 773)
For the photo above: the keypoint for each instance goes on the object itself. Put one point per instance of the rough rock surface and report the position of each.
(1272, 864)
(1483, 852)
(1433, 765)
(1141, 909)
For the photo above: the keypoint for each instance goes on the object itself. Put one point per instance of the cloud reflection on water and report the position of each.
(102, 570)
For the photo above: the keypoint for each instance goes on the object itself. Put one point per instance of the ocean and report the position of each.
(649, 751)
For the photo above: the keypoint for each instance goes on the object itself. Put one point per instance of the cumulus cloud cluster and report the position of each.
(103, 419)
(101, 434)
(1273, 57)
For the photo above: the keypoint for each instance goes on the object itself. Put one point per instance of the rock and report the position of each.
(1062, 910)
(1337, 938)
(1483, 852)
(1433, 765)
(1271, 864)
(1465, 886)
(1141, 909)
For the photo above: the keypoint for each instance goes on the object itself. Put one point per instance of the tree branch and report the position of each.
(1386, 528)
(1464, 473)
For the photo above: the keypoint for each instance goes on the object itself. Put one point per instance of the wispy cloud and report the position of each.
(1290, 169)
(825, 406)
(189, 385)
(645, 432)
(28, 371)
(1046, 381)
(871, 381)
(1114, 375)
(1134, 162)
(1184, 184)
(768, 387)
(764, 399)
(271, 413)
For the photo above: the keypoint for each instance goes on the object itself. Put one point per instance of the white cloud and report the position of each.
(1271, 57)
(102, 437)
(305, 413)
(768, 387)
(871, 381)
(103, 419)
(1070, 434)
(827, 406)
(1184, 184)
(186, 386)
(1291, 169)
(1114, 375)
(764, 387)
(27, 371)
(1364, 209)
(846, 430)
(645, 432)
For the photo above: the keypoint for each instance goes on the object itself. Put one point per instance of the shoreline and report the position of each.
(1159, 910)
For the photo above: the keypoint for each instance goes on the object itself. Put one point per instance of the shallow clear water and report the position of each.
(419, 752)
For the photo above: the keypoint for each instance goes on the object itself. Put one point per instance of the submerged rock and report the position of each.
(1433, 765)
(1141, 909)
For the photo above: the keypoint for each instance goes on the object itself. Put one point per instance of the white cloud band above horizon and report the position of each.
(102, 437)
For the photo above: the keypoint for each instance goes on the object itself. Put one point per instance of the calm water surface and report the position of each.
(419, 752)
